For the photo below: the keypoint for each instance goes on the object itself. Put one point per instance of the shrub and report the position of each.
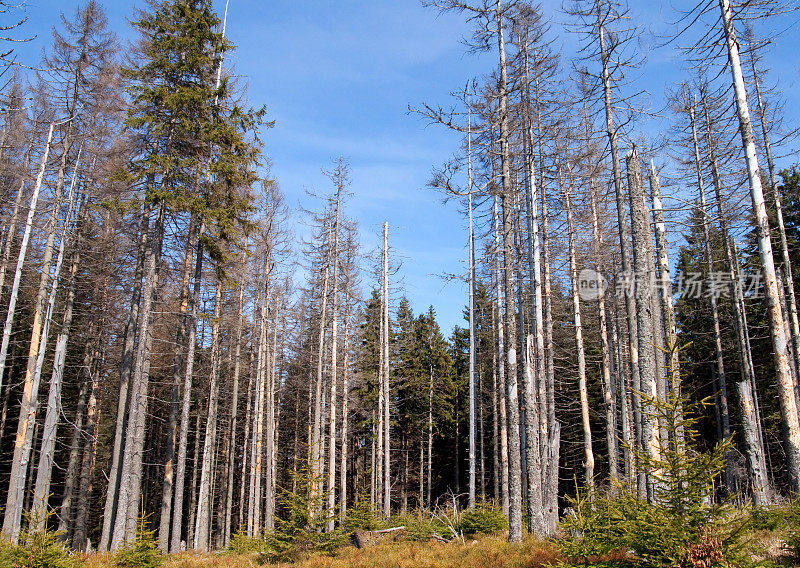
(792, 544)
(143, 552)
(37, 549)
(361, 516)
(483, 519)
(242, 544)
(302, 533)
(420, 526)
(681, 528)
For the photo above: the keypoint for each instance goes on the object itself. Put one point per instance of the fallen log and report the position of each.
(361, 538)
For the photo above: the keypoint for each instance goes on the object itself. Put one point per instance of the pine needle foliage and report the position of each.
(483, 519)
(362, 515)
(300, 532)
(683, 526)
(242, 544)
(143, 551)
(37, 549)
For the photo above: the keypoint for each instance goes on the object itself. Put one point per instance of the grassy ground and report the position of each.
(488, 552)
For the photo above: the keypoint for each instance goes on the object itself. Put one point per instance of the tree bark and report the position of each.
(186, 400)
(515, 473)
(174, 407)
(131, 473)
(202, 532)
(786, 394)
(28, 405)
(642, 264)
(23, 249)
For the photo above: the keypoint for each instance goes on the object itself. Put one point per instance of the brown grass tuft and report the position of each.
(486, 552)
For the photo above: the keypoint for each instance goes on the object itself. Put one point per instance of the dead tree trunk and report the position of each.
(642, 259)
(709, 262)
(178, 364)
(23, 249)
(514, 450)
(186, 401)
(754, 447)
(627, 267)
(202, 532)
(786, 394)
(583, 392)
(501, 365)
(47, 449)
(28, 405)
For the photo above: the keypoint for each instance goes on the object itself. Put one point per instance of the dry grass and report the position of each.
(487, 552)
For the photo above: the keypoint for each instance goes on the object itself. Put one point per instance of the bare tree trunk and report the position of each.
(786, 393)
(501, 366)
(345, 441)
(664, 279)
(331, 497)
(71, 477)
(628, 442)
(630, 304)
(186, 401)
(23, 249)
(552, 456)
(428, 496)
(515, 473)
(709, 262)
(421, 497)
(754, 448)
(272, 428)
(28, 405)
(788, 278)
(576, 314)
(642, 263)
(79, 540)
(248, 419)
(609, 383)
(234, 414)
(495, 419)
(536, 389)
(202, 532)
(178, 367)
(131, 475)
(387, 483)
(316, 432)
(473, 395)
(125, 394)
(256, 458)
(12, 223)
(195, 471)
(47, 449)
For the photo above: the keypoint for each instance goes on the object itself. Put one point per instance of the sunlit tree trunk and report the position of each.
(642, 264)
(186, 401)
(786, 394)
(202, 532)
(12, 302)
(177, 371)
(41, 494)
(27, 415)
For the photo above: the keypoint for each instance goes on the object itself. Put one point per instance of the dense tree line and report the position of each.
(163, 357)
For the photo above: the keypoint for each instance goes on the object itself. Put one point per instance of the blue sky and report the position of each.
(337, 78)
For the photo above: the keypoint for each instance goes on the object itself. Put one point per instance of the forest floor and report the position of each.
(482, 552)
(488, 552)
